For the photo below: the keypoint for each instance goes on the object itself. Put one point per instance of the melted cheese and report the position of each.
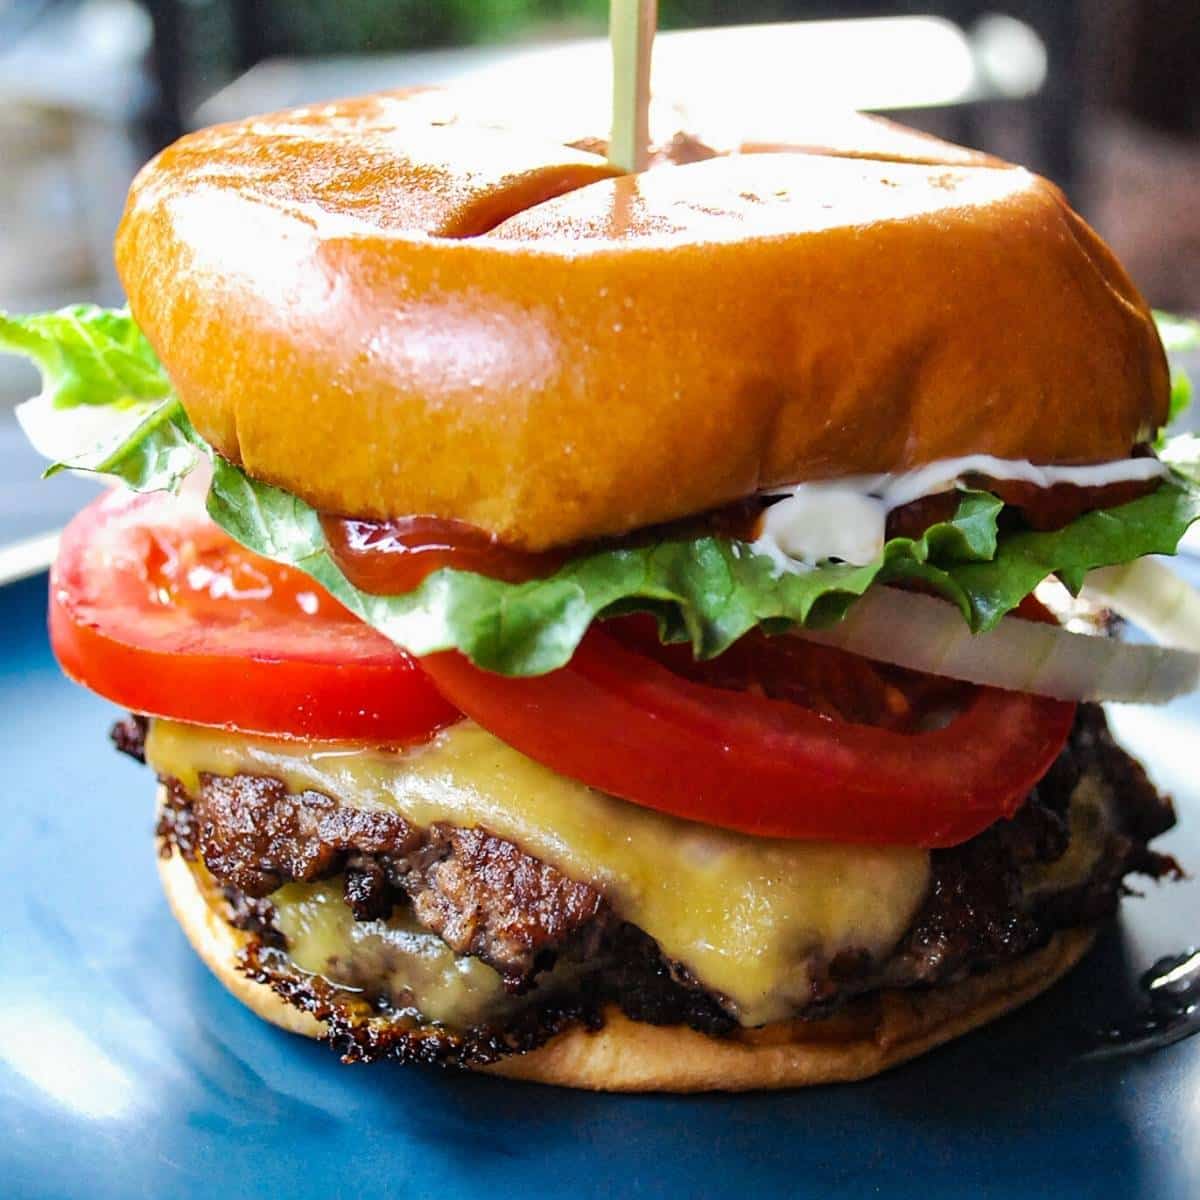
(1090, 824)
(395, 959)
(398, 960)
(744, 915)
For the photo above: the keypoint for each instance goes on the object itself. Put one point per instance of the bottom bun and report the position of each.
(631, 1056)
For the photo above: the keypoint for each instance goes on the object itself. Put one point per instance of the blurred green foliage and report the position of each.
(350, 26)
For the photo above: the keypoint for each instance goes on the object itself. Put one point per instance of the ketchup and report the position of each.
(1054, 507)
(390, 558)
(1041, 508)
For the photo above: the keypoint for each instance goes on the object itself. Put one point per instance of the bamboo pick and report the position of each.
(631, 25)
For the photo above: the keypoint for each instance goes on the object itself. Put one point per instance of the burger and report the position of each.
(583, 624)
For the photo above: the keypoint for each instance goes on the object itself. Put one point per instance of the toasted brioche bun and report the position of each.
(390, 311)
(629, 1056)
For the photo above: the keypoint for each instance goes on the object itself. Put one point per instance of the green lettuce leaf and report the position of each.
(1152, 524)
(106, 403)
(1179, 334)
(1182, 454)
(704, 590)
(707, 591)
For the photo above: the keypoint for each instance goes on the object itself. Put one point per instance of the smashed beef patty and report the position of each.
(992, 899)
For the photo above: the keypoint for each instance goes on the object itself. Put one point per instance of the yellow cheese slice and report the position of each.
(746, 916)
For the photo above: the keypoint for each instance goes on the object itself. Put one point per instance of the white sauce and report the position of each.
(845, 519)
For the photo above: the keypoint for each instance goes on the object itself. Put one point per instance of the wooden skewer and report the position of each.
(631, 26)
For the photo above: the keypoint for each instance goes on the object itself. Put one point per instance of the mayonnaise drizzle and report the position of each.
(846, 519)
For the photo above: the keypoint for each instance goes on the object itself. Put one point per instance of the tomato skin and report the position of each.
(619, 721)
(156, 609)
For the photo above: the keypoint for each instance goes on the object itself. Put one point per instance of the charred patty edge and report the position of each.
(972, 920)
(361, 1033)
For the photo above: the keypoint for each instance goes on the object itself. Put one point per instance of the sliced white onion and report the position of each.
(930, 635)
(1152, 596)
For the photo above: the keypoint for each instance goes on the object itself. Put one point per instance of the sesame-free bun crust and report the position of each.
(629, 1056)
(389, 310)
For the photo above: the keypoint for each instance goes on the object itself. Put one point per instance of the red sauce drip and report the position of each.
(394, 557)
(390, 558)
(1054, 507)
(1040, 508)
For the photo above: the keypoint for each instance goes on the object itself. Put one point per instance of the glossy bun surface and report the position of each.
(390, 307)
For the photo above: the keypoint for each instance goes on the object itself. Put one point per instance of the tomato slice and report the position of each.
(620, 719)
(156, 608)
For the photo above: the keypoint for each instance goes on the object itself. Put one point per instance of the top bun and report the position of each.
(389, 306)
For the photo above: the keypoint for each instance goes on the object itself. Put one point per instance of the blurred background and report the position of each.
(1103, 96)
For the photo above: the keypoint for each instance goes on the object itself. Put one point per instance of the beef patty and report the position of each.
(991, 899)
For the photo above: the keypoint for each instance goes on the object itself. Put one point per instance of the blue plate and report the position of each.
(125, 1069)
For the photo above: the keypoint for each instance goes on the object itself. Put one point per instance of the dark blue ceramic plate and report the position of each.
(126, 1070)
